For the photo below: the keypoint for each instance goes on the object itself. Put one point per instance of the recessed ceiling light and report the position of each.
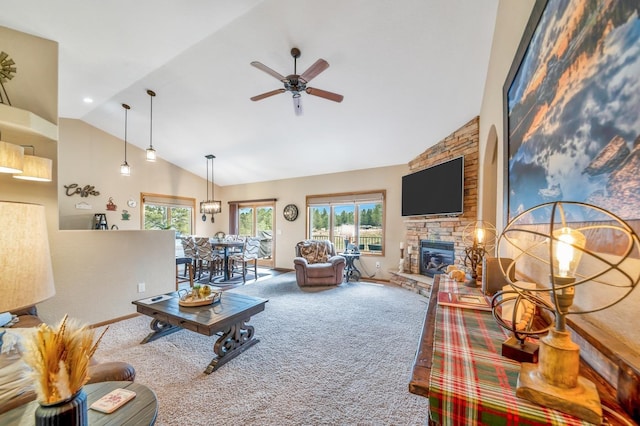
(88, 100)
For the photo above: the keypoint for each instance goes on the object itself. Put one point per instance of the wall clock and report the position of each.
(290, 212)
(132, 203)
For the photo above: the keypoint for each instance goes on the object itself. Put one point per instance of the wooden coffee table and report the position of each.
(227, 318)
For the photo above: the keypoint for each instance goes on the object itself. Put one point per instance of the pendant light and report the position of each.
(35, 168)
(125, 169)
(151, 153)
(11, 157)
(210, 206)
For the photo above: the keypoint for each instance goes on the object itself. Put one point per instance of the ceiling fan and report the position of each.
(297, 84)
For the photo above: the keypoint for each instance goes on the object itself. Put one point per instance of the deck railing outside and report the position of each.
(370, 244)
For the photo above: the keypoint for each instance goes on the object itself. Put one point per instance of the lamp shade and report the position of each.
(25, 260)
(36, 169)
(11, 158)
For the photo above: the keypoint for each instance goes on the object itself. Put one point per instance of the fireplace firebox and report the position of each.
(435, 256)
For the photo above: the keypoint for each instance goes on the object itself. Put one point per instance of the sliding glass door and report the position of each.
(257, 220)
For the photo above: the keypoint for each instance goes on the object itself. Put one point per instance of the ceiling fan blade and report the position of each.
(324, 94)
(315, 69)
(267, 94)
(268, 70)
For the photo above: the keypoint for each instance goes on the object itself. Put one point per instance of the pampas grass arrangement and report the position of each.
(59, 358)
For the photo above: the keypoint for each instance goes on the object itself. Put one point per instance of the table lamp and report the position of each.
(25, 261)
(479, 240)
(571, 242)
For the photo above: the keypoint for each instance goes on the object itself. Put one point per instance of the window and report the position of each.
(255, 218)
(168, 212)
(356, 218)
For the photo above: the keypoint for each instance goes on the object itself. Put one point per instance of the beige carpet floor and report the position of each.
(337, 356)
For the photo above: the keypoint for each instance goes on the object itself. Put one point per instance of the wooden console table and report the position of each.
(458, 366)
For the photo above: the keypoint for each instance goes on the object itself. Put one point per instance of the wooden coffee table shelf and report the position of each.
(228, 319)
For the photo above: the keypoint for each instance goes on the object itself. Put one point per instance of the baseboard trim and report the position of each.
(114, 320)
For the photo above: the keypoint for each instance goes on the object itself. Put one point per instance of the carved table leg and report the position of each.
(235, 340)
(160, 328)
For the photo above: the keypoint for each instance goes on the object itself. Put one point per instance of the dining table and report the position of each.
(225, 246)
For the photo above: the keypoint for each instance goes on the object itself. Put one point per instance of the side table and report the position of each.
(350, 270)
(141, 410)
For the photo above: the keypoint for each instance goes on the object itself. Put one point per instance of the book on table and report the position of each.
(464, 300)
(113, 400)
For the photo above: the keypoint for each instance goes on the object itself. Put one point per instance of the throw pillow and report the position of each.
(309, 251)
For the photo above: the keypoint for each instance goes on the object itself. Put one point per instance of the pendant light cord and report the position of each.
(151, 95)
(207, 180)
(126, 115)
(213, 198)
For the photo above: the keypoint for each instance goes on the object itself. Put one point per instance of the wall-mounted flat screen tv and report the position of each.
(437, 190)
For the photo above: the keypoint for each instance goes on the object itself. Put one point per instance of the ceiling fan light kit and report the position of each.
(297, 83)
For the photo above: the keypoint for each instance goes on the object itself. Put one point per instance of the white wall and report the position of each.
(510, 24)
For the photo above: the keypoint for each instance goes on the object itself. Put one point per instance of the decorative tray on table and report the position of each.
(199, 296)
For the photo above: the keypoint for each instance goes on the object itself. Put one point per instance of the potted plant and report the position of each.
(59, 358)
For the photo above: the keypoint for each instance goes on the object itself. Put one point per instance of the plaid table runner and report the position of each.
(471, 383)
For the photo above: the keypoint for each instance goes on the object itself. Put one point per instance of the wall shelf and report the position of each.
(21, 127)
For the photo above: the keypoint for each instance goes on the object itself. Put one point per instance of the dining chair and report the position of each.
(190, 252)
(207, 257)
(234, 237)
(249, 254)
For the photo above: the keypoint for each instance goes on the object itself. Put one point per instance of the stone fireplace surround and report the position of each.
(464, 141)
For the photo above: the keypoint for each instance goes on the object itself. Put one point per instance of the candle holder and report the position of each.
(479, 240)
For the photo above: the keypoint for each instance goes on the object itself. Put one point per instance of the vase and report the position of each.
(68, 412)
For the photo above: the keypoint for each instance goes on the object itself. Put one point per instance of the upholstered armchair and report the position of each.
(316, 263)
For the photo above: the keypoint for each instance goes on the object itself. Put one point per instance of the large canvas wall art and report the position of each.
(572, 108)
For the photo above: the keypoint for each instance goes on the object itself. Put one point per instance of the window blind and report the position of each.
(168, 200)
(323, 200)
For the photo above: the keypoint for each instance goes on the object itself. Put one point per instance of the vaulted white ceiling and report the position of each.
(411, 72)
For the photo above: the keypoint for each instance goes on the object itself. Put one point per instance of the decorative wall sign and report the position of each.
(111, 206)
(85, 191)
(571, 102)
(83, 206)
